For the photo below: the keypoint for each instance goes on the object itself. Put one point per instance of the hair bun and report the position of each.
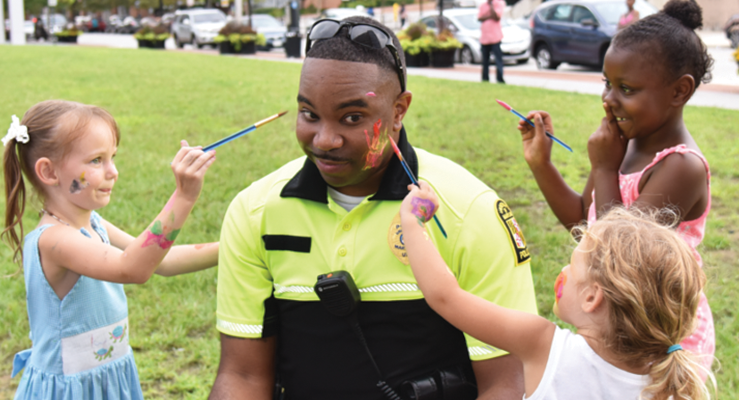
(688, 12)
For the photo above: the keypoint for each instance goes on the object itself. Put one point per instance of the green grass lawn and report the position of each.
(160, 97)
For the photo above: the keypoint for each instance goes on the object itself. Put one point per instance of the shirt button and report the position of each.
(342, 251)
(347, 226)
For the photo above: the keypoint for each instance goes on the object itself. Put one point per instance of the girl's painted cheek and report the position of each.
(559, 286)
(78, 185)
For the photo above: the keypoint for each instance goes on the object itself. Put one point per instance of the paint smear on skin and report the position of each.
(423, 209)
(559, 286)
(77, 186)
(203, 245)
(376, 146)
(170, 202)
(371, 94)
(155, 235)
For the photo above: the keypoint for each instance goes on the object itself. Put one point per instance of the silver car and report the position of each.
(197, 26)
(463, 23)
(270, 27)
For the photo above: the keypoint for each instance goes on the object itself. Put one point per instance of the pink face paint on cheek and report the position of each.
(371, 94)
(559, 286)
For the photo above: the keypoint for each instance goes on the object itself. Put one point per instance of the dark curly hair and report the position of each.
(670, 35)
(341, 48)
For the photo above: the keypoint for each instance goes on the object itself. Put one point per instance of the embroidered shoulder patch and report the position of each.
(518, 243)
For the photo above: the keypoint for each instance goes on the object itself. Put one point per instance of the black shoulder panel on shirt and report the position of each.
(300, 244)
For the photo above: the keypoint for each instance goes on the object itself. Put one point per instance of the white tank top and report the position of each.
(575, 371)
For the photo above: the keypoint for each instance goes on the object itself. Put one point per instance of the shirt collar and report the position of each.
(308, 183)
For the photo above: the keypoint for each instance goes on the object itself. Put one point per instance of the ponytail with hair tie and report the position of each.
(16, 131)
(15, 188)
(673, 348)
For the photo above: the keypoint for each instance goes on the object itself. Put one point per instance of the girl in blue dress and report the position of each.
(75, 262)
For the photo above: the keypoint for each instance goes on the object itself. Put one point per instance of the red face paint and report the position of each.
(559, 286)
(376, 146)
(371, 94)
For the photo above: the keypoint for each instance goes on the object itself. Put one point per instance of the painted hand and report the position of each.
(607, 146)
(421, 203)
(189, 167)
(537, 147)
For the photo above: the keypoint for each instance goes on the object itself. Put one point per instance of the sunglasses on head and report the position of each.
(359, 33)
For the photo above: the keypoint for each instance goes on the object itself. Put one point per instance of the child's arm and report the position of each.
(568, 206)
(525, 335)
(189, 258)
(181, 259)
(678, 182)
(63, 249)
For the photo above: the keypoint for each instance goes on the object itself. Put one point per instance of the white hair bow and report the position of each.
(16, 131)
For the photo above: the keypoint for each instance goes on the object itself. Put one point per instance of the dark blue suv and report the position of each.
(577, 31)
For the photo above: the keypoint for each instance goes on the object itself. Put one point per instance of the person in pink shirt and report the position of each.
(490, 14)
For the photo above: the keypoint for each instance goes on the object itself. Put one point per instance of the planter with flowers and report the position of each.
(416, 44)
(68, 35)
(235, 38)
(152, 37)
(443, 49)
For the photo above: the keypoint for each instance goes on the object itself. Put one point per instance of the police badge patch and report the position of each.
(395, 240)
(514, 231)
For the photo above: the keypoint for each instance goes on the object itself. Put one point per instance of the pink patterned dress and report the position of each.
(703, 341)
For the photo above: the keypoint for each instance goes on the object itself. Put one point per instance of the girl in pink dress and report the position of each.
(642, 154)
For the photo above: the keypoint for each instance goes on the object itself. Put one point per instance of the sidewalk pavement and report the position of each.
(723, 92)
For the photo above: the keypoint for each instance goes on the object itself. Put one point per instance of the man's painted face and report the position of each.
(345, 114)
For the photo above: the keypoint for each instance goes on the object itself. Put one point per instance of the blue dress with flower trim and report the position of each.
(80, 343)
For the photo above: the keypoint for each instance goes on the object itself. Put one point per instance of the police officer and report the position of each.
(337, 208)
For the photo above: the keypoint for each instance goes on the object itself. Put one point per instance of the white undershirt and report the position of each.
(346, 202)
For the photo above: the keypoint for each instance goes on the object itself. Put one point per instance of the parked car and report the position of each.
(271, 28)
(577, 31)
(197, 26)
(58, 23)
(732, 30)
(463, 23)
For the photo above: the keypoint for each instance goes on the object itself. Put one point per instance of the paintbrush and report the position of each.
(509, 108)
(243, 132)
(413, 178)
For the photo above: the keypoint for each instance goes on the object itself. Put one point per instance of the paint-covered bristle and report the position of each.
(504, 105)
(395, 148)
(281, 114)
